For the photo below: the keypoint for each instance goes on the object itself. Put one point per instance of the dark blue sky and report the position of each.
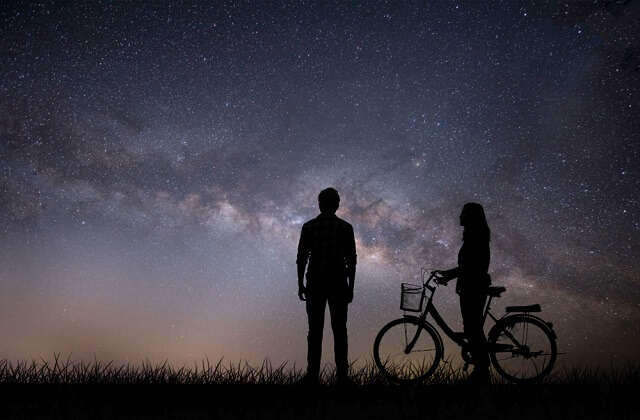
(157, 163)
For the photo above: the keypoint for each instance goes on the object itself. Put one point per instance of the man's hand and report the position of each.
(302, 293)
(349, 295)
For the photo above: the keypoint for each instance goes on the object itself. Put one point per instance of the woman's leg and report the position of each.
(472, 307)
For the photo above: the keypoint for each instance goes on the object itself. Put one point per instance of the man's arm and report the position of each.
(351, 261)
(301, 289)
(301, 262)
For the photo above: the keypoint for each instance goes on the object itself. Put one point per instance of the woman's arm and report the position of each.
(447, 275)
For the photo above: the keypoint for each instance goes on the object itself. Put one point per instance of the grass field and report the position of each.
(76, 389)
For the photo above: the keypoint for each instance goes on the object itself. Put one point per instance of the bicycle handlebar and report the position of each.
(433, 275)
(427, 283)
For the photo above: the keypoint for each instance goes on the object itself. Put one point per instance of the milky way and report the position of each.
(157, 163)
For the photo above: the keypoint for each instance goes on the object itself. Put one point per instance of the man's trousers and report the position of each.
(316, 303)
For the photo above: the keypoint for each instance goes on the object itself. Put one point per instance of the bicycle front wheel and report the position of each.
(407, 350)
(522, 348)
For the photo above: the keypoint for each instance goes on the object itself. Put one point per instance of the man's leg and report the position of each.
(338, 306)
(316, 304)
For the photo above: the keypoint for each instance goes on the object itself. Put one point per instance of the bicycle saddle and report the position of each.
(496, 291)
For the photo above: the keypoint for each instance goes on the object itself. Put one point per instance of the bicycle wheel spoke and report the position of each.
(535, 365)
(400, 354)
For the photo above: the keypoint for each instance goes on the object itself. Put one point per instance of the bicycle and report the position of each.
(521, 346)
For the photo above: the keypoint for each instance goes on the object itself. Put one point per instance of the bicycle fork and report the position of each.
(413, 342)
(423, 318)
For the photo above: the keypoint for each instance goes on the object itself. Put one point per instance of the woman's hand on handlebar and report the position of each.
(440, 278)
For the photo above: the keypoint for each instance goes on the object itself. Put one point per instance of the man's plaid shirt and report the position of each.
(328, 244)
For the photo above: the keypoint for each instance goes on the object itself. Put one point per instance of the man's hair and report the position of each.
(329, 200)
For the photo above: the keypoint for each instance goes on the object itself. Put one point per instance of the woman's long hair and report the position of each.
(476, 227)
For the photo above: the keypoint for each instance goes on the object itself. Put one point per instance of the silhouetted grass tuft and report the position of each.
(68, 371)
(628, 374)
(66, 388)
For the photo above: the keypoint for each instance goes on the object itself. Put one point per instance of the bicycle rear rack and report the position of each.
(525, 308)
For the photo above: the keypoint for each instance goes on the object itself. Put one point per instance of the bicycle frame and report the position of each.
(457, 337)
(430, 308)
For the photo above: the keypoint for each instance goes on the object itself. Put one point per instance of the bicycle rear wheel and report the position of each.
(407, 350)
(522, 348)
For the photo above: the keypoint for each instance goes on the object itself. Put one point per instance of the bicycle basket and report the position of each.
(412, 297)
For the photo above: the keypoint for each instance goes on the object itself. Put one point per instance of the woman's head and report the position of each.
(474, 222)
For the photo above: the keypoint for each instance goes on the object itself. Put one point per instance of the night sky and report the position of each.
(157, 163)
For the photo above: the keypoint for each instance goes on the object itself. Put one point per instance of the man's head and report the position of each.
(328, 200)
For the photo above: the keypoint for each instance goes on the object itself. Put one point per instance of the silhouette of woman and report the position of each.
(473, 280)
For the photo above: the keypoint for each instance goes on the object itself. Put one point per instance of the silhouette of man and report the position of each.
(327, 243)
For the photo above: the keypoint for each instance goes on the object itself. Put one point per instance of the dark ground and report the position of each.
(32, 401)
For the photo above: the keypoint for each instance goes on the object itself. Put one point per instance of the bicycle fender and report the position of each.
(548, 325)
